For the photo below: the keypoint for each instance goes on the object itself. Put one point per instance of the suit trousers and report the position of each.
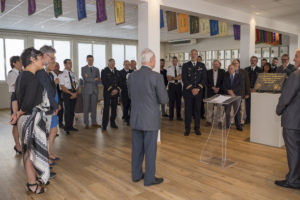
(236, 111)
(69, 105)
(144, 143)
(126, 105)
(175, 94)
(213, 113)
(248, 110)
(90, 100)
(60, 113)
(112, 102)
(192, 106)
(292, 142)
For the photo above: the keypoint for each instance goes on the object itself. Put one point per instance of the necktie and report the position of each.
(175, 71)
(231, 79)
(72, 86)
(91, 69)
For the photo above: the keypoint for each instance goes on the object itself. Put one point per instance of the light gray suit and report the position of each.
(90, 92)
(147, 91)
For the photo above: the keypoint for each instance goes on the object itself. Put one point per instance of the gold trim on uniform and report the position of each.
(201, 86)
(189, 86)
(109, 88)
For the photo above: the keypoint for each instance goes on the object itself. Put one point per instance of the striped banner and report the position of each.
(31, 7)
(214, 27)
(194, 25)
(57, 7)
(119, 12)
(2, 5)
(101, 11)
(171, 20)
(204, 26)
(223, 29)
(81, 12)
(183, 23)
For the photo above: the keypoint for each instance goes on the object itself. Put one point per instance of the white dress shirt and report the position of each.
(64, 79)
(11, 79)
(171, 72)
(215, 76)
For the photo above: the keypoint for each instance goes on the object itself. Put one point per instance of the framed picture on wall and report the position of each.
(235, 54)
(266, 52)
(181, 56)
(186, 56)
(202, 54)
(258, 52)
(274, 52)
(221, 54)
(284, 50)
(208, 55)
(214, 55)
(167, 57)
(227, 54)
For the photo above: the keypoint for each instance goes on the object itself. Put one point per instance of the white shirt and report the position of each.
(64, 79)
(171, 72)
(253, 68)
(215, 76)
(11, 79)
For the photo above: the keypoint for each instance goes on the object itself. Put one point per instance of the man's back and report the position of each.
(147, 91)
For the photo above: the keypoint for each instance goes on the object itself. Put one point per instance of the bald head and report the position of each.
(297, 58)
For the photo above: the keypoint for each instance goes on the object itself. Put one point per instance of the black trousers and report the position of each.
(248, 109)
(292, 143)
(192, 103)
(126, 105)
(69, 105)
(237, 117)
(175, 94)
(112, 102)
(60, 114)
(202, 110)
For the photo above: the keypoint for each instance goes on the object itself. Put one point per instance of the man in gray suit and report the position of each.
(147, 91)
(91, 78)
(289, 107)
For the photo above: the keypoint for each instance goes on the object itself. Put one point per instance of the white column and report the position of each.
(247, 43)
(149, 31)
(293, 45)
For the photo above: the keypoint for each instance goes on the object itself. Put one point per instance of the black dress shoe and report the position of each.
(155, 182)
(73, 129)
(52, 174)
(67, 132)
(139, 179)
(61, 126)
(179, 119)
(284, 183)
(197, 132)
(239, 128)
(165, 115)
(187, 133)
(114, 126)
(103, 128)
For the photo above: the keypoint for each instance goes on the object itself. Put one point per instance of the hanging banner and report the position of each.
(214, 27)
(194, 25)
(257, 35)
(2, 6)
(31, 7)
(57, 7)
(237, 32)
(119, 12)
(280, 39)
(223, 29)
(261, 36)
(81, 12)
(277, 38)
(162, 24)
(101, 11)
(183, 23)
(204, 26)
(171, 20)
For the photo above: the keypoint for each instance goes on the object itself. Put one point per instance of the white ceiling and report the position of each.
(16, 17)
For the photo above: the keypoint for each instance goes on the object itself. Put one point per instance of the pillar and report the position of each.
(247, 43)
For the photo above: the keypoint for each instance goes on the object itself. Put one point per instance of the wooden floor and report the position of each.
(96, 165)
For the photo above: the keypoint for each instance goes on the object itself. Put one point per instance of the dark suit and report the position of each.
(110, 81)
(210, 82)
(252, 78)
(124, 93)
(146, 91)
(164, 74)
(288, 70)
(193, 77)
(236, 86)
(289, 108)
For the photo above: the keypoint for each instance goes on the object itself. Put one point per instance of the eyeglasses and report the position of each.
(52, 58)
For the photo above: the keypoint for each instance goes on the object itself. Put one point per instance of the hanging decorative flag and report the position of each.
(2, 5)
(257, 35)
(237, 32)
(162, 24)
(183, 23)
(31, 7)
(101, 11)
(274, 38)
(119, 12)
(57, 8)
(280, 39)
(204, 26)
(266, 37)
(223, 29)
(81, 12)
(171, 20)
(261, 36)
(194, 25)
(277, 38)
(214, 27)
(269, 37)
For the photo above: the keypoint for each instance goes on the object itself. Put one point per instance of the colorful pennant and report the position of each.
(183, 23)
(194, 25)
(101, 11)
(237, 31)
(81, 12)
(162, 24)
(223, 29)
(57, 7)
(171, 20)
(119, 12)
(204, 26)
(214, 27)
(2, 6)
(31, 7)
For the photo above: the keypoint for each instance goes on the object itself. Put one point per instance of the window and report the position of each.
(13, 47)
(83, 50)
(99, 53)
(130, 51)
(118, 55)
(38, 43)
(63, 51)
(2, 65)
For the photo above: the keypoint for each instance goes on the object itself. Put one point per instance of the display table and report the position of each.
(265, 125)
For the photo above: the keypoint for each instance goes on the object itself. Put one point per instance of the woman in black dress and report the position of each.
(32, 104)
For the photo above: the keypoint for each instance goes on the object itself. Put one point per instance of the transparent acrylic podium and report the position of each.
(214, 150)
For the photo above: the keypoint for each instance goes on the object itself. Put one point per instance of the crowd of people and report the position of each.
(43, 98)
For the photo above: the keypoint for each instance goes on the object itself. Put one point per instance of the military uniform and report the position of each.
(174, 91)
(193, 77)
(124, 93)
(111, 81)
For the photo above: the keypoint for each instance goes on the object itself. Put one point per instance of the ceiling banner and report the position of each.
(119, 12)
(183, 23)
(101, 11)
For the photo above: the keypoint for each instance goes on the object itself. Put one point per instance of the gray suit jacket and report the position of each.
(147, 91)
(289, 102)
(90, 86)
